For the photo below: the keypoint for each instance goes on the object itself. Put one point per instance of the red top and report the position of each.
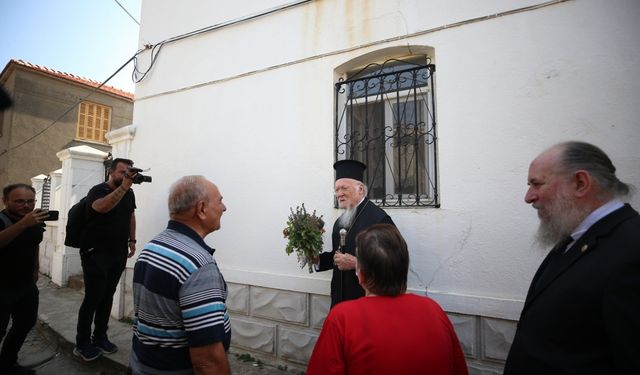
(406, 334)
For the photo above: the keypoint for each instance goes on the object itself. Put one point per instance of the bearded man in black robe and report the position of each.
(359, 214)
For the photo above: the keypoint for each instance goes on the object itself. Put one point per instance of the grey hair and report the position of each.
(577, 155)
(365, 188)
(186, 192)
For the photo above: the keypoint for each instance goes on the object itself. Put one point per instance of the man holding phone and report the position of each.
(21, 229)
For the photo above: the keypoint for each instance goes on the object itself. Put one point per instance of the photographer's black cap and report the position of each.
(349, 169)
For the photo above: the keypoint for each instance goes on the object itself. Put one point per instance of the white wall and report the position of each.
(251, 106)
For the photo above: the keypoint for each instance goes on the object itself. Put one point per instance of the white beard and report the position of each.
(565, 216)
(346, 219)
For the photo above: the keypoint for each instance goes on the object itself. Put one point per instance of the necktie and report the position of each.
(561, 246)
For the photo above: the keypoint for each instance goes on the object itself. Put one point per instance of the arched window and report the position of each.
(385, 117)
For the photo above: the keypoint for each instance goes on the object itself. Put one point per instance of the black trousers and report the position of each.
(102, 272)
(21, 306)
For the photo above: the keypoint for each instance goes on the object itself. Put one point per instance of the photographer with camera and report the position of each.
(109, 239)
(21, 229)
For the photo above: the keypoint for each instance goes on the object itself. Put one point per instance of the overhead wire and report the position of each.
(139, 75)
(126, 11)
(91, 92)
(74, 105)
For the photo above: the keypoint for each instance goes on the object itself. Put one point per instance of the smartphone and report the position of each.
(53, 216)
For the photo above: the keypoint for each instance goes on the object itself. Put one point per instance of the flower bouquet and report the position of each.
(304, 232)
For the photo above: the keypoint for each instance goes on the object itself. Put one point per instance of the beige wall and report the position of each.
(38, 101)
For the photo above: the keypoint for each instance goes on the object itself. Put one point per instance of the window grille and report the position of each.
(94, 121)
(385, 118)
(107, 165)
(45, 194)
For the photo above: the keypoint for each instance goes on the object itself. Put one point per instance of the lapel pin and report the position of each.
(584, 248)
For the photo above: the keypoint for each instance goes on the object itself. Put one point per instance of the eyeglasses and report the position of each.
(22, 202)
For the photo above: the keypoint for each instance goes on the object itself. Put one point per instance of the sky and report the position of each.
(88, 38)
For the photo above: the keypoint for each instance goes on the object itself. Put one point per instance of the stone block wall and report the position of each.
(485, 341)
(48, 247)
(281, 327)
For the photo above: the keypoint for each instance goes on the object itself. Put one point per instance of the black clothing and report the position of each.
(104, 257)
(101, 273)
(21, 305)
(18, 257)
(582, 316)
(344, 284)
(109, 230)
(18, 291)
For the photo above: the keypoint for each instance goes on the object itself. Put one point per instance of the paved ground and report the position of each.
(49, 346)
(45, 356)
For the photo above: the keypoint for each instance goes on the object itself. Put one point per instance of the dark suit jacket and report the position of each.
(584, 317)
(344, 284)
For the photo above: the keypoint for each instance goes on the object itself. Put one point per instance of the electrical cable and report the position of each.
(74, 105)
(126, 11)
(138, 75)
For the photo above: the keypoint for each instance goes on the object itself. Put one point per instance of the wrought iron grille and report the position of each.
(45, 194)
(107, 164)
(385, 118)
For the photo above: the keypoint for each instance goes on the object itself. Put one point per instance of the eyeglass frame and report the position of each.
(23, 202)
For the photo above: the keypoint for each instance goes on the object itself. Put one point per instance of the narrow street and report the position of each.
(42, 352)
(49, 346)
(46, 356)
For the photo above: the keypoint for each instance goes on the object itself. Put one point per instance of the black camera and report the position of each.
(139, 178)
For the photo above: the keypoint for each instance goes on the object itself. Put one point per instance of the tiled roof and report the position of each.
(70, 77)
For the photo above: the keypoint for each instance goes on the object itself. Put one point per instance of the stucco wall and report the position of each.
(251, 106)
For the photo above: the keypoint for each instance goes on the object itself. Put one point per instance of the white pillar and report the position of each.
(120, 141)
(38, 182)
(56, 185)
(47, 246)
(82, 168)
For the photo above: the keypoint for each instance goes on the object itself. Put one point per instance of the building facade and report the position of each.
(52, 111)
(263, 97)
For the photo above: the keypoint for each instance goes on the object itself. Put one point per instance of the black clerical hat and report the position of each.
(349, 169)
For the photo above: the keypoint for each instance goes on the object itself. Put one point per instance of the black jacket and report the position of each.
(18, 257)
(344, 284)
(584, 318)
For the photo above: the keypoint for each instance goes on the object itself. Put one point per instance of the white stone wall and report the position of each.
(283, 326)
(280, 325)
(251, 106)
(81, 169)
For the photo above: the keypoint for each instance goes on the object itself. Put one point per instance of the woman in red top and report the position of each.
(387, 331)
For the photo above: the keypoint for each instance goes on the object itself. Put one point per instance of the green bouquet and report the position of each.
(304, 232)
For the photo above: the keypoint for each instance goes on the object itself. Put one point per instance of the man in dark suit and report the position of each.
(582, 311)
(359, 214)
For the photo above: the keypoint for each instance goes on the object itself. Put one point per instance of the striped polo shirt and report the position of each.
(179, 299)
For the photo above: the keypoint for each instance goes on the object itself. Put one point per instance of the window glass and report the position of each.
(385, 118)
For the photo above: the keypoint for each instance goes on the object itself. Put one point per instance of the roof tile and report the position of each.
(72, 77)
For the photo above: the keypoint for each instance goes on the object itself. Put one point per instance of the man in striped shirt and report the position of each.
(181, 324)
